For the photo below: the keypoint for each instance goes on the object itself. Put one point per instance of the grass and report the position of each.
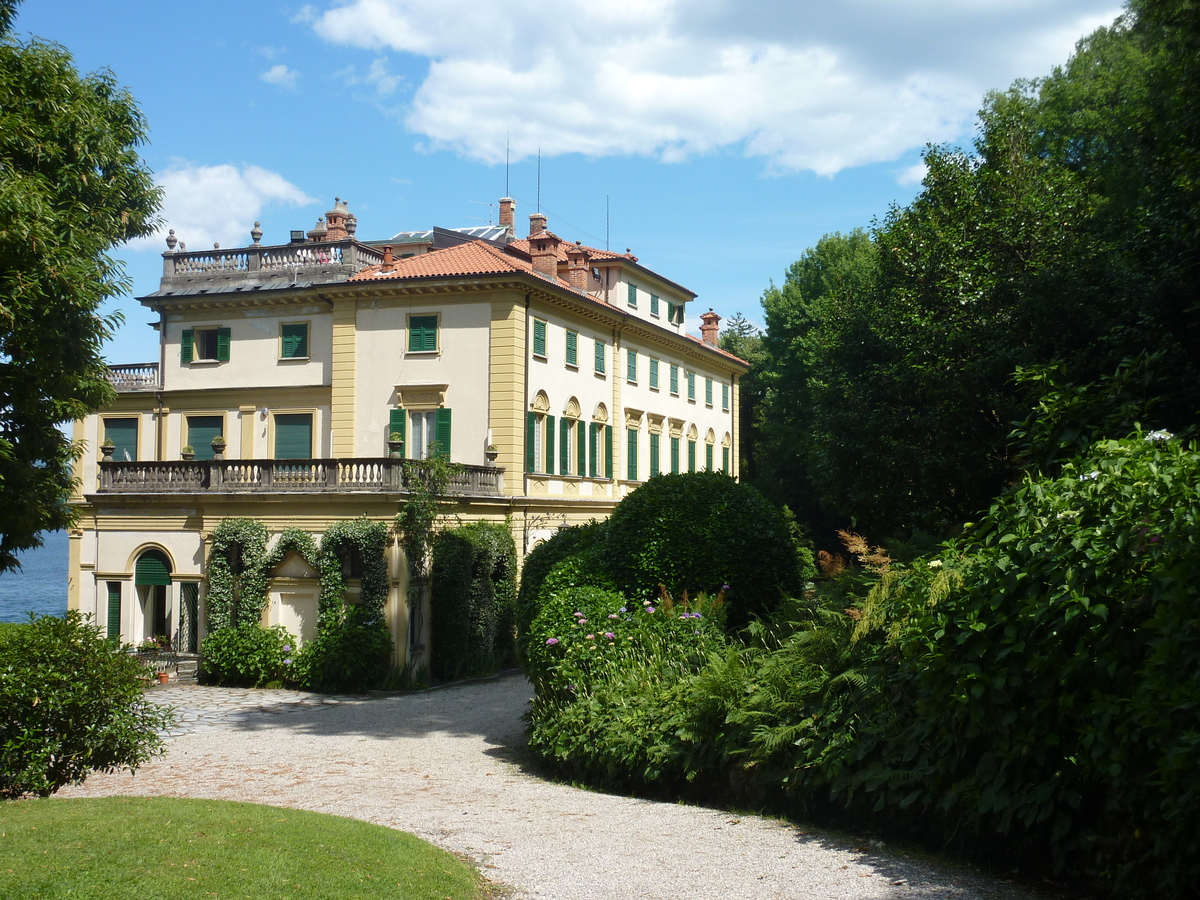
(159, 848)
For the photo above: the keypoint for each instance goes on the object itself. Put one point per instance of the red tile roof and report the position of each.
(595, 253)
(473, 258)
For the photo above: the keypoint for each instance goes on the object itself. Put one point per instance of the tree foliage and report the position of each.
(72, 187)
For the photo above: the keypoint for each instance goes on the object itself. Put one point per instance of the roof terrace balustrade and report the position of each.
(304, 476)
(310, 262)
(135, 377)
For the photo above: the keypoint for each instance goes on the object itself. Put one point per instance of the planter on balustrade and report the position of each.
(218, 447)
(106, 451)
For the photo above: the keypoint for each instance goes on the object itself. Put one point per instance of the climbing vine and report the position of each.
(338, 545)
(427, 484)
(237, 579)
(293, 540)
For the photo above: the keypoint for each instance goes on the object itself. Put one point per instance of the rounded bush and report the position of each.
(248, 656)
(351, 655)
(698, 532)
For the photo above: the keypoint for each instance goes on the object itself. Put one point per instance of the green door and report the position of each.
(201, 431)
(293, 436)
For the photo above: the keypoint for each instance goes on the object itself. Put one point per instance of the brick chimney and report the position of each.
(709, 327)
(335, 221)
(543, 247)
(537, 223)
(578, 266)
(508, 211)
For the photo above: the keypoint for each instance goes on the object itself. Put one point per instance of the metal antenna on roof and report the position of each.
(606, 220)
(539, 186)
(506, 142)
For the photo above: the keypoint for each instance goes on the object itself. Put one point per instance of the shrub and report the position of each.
(585, 543)
(696, 532)
(350, 655)
(72, 704)
(248, 656)
(474, 593)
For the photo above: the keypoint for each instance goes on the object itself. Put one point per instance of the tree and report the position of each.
(744, 340)
(72, 187)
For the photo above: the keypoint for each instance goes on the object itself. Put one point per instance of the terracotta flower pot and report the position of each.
(164, 677)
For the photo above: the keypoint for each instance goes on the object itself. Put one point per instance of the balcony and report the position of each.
(257, 266)
(135, 377)
(290, 476)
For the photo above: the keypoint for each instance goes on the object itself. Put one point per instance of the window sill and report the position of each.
(289, 359)
(539, 358)
(422, 353)
(205, 362)
(574, 367)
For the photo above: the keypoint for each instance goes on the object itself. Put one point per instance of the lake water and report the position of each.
(40, 585)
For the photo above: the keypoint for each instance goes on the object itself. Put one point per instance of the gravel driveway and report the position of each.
(442, 766)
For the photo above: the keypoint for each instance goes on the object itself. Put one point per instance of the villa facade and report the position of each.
(558, 376)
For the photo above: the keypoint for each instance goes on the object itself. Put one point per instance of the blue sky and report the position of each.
(726, 137)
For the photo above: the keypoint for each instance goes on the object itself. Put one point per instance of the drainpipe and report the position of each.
(162, 378)
(525, 404)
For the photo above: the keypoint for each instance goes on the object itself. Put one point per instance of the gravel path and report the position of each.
(442, 766)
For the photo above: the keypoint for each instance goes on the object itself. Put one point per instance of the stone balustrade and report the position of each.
(259, 476)
(311, 261)
(135, 377)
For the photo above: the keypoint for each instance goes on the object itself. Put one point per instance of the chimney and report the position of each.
(508, 211)
(318, 232)
(709, 327)
(335, 221)
(537, 223)
(578, 268)
(389, 261)
(543, 247)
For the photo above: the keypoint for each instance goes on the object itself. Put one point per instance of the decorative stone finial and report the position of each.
(351, 224)
(216, 246)
(256, 233)
(182, 247)
(172, 240)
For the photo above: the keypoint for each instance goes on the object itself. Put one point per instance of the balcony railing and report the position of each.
(293, 476)
(135, 377)
(315, 261)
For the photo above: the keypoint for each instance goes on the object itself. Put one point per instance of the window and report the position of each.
(691, 455)
(293, 435)
(655, 468)
(572, 348)
(114, 612)
(293, 340)
(653, 374)
(670, 311)
(565, 427)
(600, 348)
(631, 463)
(200, 433)
(725, 397)
(397, 424)
(204, 345)
(708, 457)
(124, 435)
(631, 366)
(691, 383)
(429, 434)
(725, 460)
(675, 380)
(674, 455)
(633, 296)
(539, 443)
(600, 441)
(654, 305)
(539, 338)
(422, 335)
(708, 391)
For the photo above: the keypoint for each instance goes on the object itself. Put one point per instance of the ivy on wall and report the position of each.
(237, 579)
(341, 542)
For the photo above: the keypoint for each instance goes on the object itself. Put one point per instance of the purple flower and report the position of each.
(622, 609)
(578, 614)
(591, 637)
(583, 621)
(612, 615)
(609, 635)
(550, 642)
(287, 662)
(287, 648)
(725, 587)
(649, 609)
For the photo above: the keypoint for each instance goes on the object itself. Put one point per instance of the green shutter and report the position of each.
(725, 460)
(549, 445)
(422, 334)
(200, 433)
(691, 383)
(654, 467)
(186, 342)
(564, 447)
(724, 396)
(674, 455)
(633, 295)
(631, 462)
(670, 312)
(114, 611)
(674, 379)
(294, 340)
(531, 442)
(293, 436)
(654, 304)
(594, 446)
(152, 567)
(654, 373)
(691, 456)
(124, 434)
(580, 449)
(223, 345)
(708, 391)
(708, 457)
(442, 432)
(397, 424)
(189, 615)
(600, 356)
(572, 348)
(539, 337)
(608, 451)
(631, 365)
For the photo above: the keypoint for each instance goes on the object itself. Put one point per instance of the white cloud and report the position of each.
(377, 75)
(282, 76)
(805, 85)
(914, 174)
(220, 204)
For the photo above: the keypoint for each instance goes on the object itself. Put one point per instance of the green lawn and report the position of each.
(164, 849)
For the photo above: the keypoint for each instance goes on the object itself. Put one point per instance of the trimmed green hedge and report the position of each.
(474, 595)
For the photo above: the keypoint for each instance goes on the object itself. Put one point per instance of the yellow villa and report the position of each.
(294, 381)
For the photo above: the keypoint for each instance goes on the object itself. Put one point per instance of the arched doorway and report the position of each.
(151, 578)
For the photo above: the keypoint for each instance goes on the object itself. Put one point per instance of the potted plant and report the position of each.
(492, 452)
(107, 448)
(218, 445)
(158, 656)
(188, 452)
(395, 444)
